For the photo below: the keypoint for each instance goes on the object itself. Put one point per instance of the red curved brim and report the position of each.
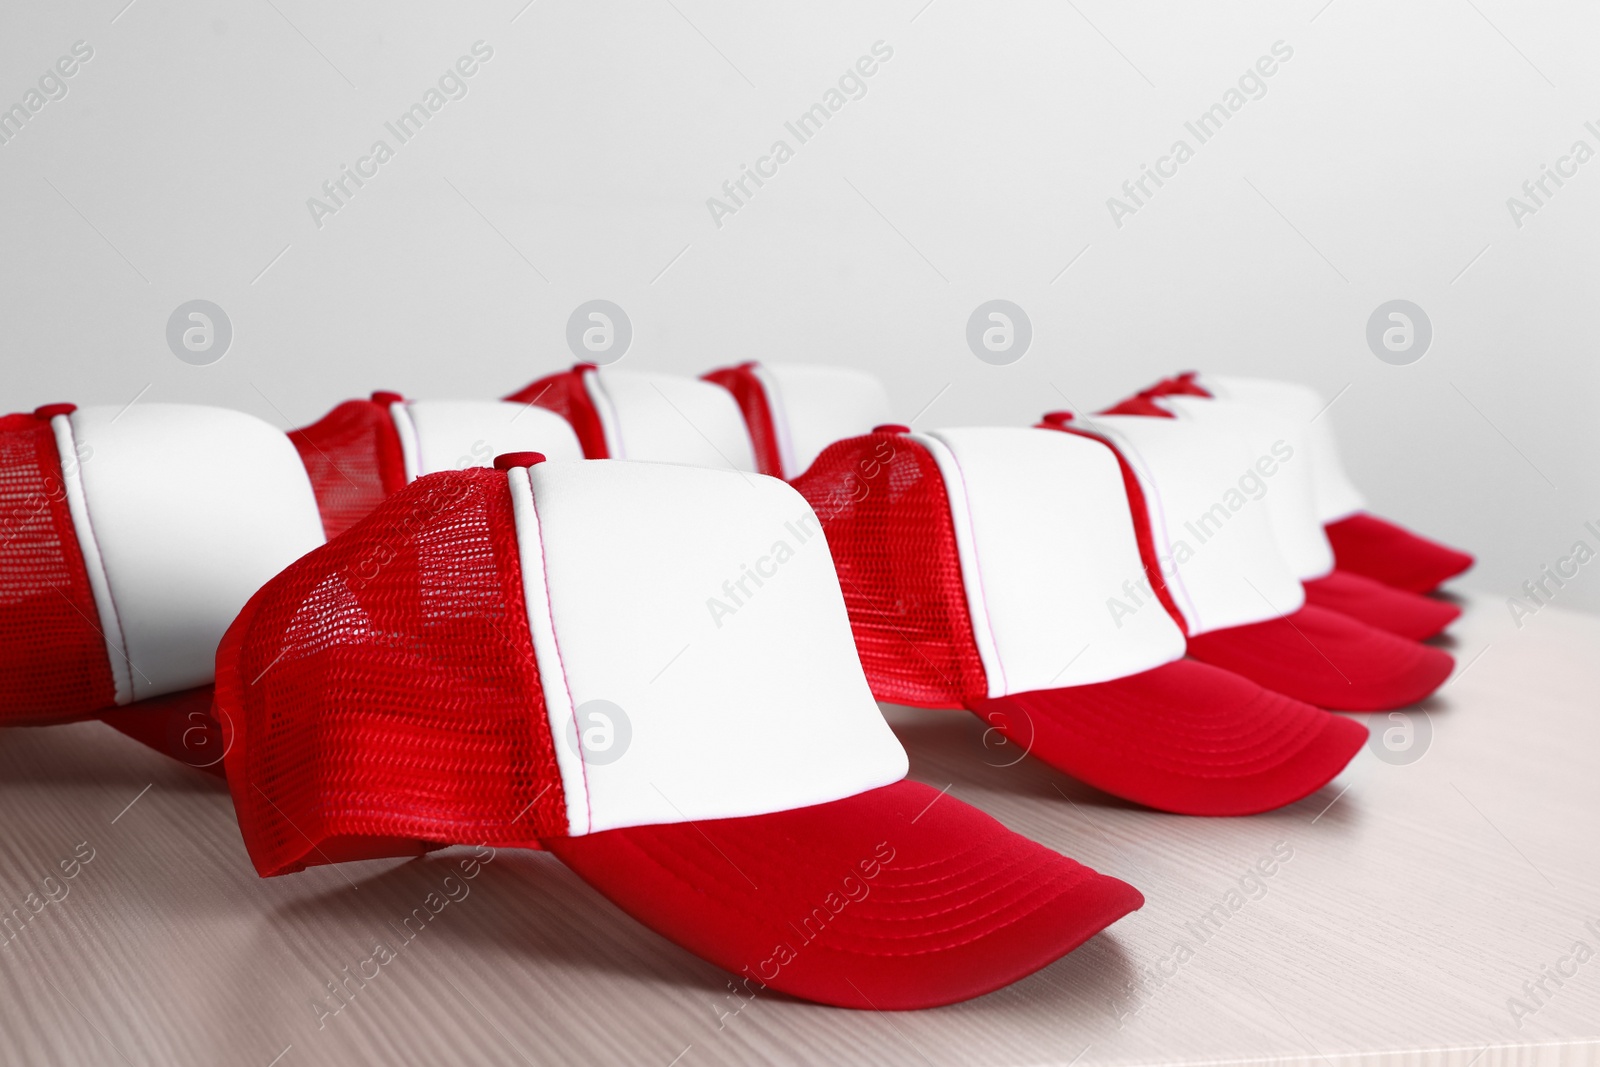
(895, 898)
(1367, 545)
(1327, 659)
(1408, 615)
(1186, 737)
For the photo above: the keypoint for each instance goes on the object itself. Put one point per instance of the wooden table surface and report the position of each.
(1418, 897)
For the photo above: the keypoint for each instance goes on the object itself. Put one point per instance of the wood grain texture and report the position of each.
(1417, 901)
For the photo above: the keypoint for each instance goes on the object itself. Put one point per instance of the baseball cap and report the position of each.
(1284, 451)
(1363, 543)
(998, 569)
(1400, 612)
(131, 539)
(795, 410)
(511, 657)
(661, 418)
(1242, 608)
(1387, 552)
(363, 451)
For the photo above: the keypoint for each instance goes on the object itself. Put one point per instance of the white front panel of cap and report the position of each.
(1064, 591)
(821, 405)
(193, 509)
(1286, 478)
(666, 419)
(1336, 495)
(705, 606)
(1212, 534)
(455, 434)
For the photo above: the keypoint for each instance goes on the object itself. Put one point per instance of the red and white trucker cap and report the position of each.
(998, 569)
(1363, 543)
(1213, 548)
(795, 410)
(1288, 486)
(363, 451)
(660, 418)
(131, 539)
(437, 673)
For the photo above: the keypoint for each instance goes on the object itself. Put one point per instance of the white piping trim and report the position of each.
(610, 425)
(778, 411)
(541, 627)
(93, 564)
(410, 448)
(955, 486)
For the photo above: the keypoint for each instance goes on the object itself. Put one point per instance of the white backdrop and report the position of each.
(576, 161)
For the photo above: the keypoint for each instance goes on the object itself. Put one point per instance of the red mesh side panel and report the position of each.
(887, 519)
(380, 696)
(353, 457)
(754, 406)
(53, 660)
(564, 394)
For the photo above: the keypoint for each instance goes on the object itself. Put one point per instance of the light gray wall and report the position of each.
(978, 164)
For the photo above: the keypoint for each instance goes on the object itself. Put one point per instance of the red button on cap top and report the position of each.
(891, 427)
(50, 411)
(1058, 418)
(506, 460)
(384, 397)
